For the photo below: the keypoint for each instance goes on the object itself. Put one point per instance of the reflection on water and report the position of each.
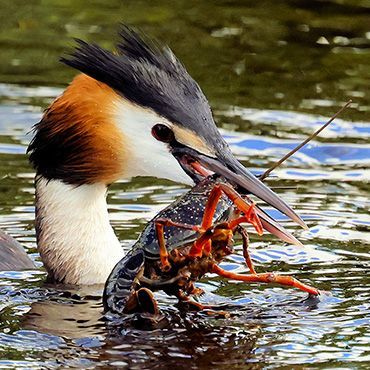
(284, 68)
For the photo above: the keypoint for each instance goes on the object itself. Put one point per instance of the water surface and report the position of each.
(273, 71)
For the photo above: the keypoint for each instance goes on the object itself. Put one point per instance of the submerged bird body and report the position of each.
(133, 113)
(12, 255)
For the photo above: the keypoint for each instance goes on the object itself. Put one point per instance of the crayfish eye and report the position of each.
(162, 133)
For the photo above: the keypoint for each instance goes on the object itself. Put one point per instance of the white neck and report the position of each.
(75, 239)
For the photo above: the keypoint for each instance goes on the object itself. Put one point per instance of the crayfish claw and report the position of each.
(149, 316)
(146, 301)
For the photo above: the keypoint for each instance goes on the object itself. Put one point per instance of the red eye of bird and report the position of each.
(162, 133)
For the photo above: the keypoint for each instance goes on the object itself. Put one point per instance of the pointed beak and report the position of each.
(198, 165)
(237, 174)
(276, 229)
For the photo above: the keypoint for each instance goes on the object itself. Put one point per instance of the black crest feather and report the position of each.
(148, 75)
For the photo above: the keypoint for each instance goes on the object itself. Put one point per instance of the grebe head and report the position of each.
(136, 112)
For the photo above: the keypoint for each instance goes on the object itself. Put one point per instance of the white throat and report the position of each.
(75, 239)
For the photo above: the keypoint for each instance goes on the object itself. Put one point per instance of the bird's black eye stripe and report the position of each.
(162, 133)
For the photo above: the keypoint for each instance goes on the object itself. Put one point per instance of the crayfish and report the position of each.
(185, 241)
(190, 238)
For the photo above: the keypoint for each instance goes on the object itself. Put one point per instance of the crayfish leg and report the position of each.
(210, 207)
(241, 204)
(190, 303)
(265, 278)
(246, 254)
(194, 291)
(203, 243)
(163, 254)
(160, 223)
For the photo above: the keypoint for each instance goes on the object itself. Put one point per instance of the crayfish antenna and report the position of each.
(303, 143)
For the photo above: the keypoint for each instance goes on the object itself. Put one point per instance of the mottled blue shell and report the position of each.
(188, 209)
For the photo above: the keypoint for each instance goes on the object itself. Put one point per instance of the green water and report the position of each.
(273, 72)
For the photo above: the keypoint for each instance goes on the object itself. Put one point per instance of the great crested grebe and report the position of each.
(136, 112)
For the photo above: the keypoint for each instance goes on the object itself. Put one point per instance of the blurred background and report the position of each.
(273, 72)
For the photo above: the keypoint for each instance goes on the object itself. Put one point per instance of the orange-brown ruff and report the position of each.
(77, 138)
